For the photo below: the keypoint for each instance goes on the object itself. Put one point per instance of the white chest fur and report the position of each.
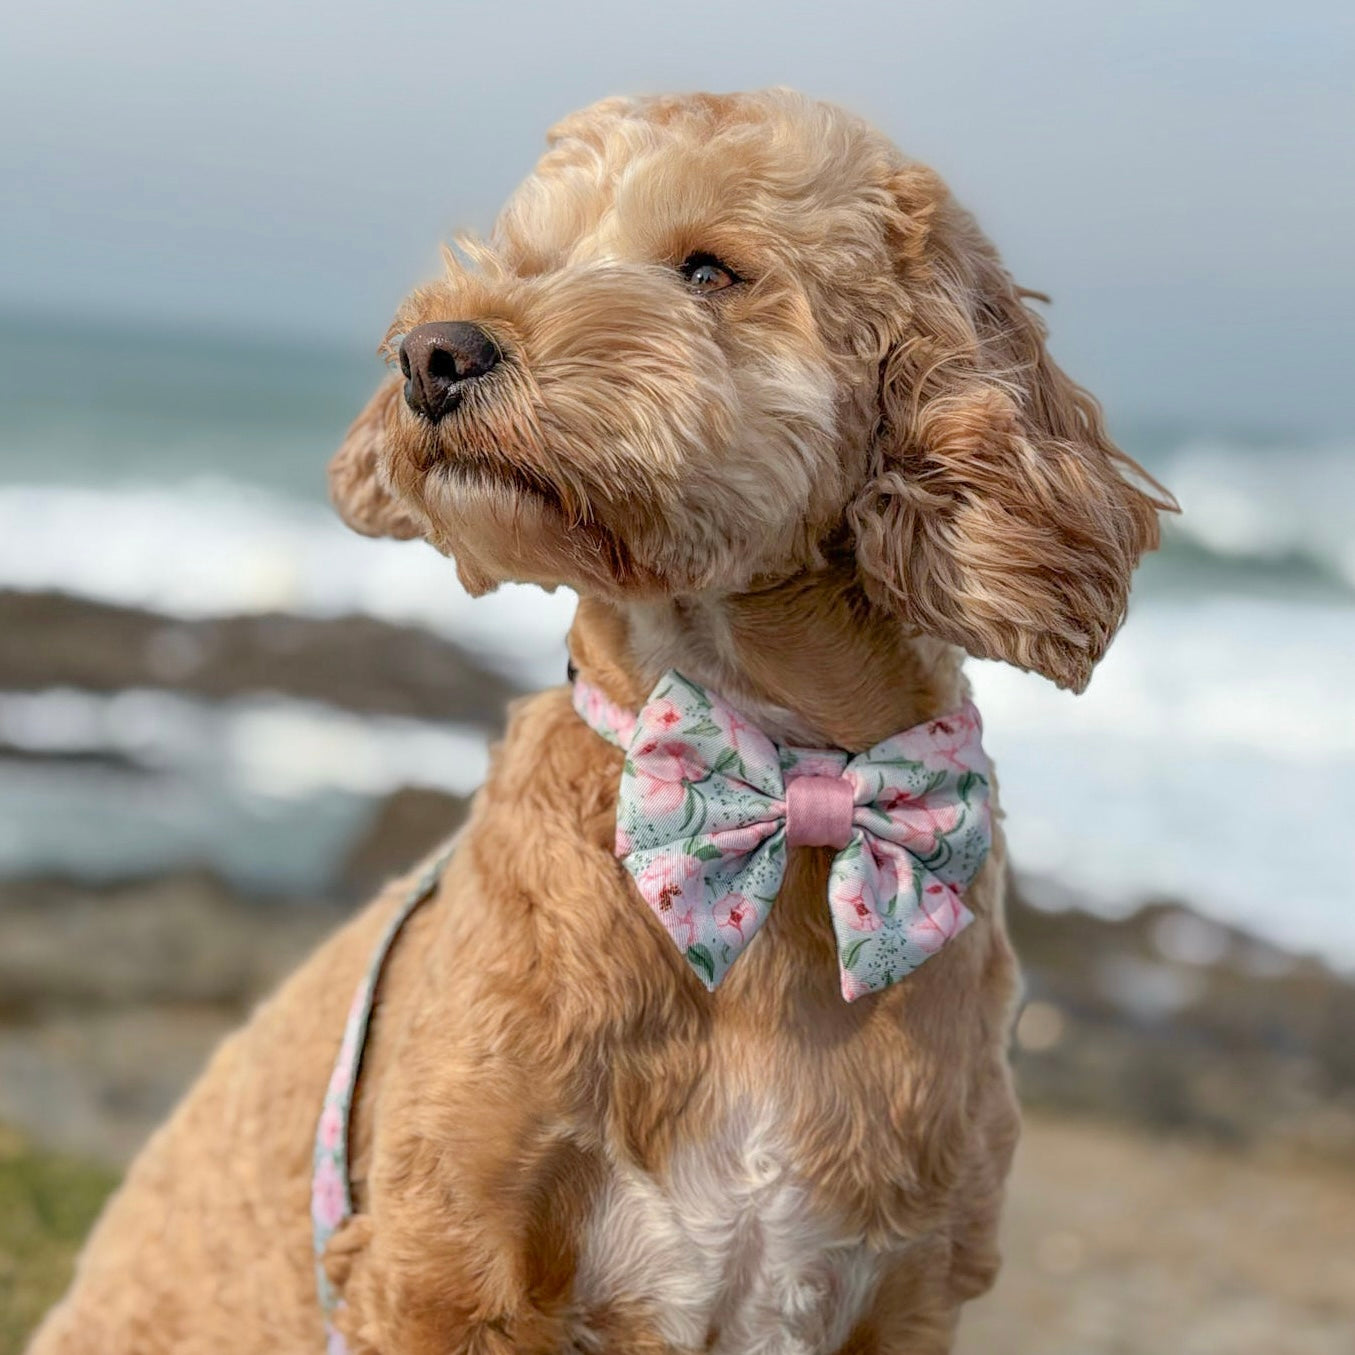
(727, 1253)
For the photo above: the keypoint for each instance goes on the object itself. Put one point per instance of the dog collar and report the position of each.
(709, 806)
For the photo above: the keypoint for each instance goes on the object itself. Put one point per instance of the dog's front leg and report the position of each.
(467, 1245)
(914, 1312)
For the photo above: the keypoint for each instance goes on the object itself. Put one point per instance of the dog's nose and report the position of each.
(438, 360)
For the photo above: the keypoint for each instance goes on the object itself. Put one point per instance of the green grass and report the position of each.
(47, 1203)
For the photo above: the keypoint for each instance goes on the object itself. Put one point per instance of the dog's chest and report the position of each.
(727, 1252)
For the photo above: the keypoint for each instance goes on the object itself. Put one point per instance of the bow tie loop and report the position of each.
(819, 811)
(709, 807)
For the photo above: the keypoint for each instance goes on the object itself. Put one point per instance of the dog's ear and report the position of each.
(997, 513)
(357, 479)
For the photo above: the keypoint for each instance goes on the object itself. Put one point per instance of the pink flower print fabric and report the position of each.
(702, 828)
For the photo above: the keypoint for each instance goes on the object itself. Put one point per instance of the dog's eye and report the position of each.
(705, 273)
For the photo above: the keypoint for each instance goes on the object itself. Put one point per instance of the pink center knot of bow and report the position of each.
(819, 811)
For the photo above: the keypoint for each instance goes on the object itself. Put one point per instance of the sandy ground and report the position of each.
(1118, 1243)
(1186, 1185)
(1131, 1229)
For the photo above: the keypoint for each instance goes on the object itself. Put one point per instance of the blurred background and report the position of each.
(224, 719)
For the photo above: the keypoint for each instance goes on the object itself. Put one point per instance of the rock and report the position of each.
(110, 997)
(181, 938)
(1171, 1021)
(355, 662)
(406, 827)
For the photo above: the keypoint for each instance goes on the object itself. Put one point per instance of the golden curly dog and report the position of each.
(756, 387)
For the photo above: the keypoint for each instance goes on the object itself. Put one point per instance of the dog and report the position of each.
(757, 388)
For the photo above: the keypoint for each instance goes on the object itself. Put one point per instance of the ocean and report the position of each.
(1212, 760)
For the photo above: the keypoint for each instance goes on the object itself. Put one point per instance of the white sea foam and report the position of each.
(1268, 503)
(267, 746)
(214, 548)
(1212, 759)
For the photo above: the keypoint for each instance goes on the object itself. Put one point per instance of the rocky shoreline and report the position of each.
(1187, 1177)
(1184, 1181)
(356, 663)
(111, 996)
(1162, 1020)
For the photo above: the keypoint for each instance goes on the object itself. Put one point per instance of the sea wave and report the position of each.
(1212, 759)
(267, 790)
(1280, 507)
(1280, 517)
(212, 548)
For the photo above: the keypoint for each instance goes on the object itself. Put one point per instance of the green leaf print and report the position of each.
(702, 699)
(849, 956)
(702, 728)
(694, 811)
(938, 856)
(700, 958)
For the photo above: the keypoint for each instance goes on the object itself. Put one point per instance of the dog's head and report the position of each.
(715, 340)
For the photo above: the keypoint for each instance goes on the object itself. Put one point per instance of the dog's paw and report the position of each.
(347, 1244)
(343, 1265)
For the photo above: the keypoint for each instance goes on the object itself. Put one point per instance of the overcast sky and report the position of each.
(1177, 174)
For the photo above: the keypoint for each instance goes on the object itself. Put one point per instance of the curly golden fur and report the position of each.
(811, 490)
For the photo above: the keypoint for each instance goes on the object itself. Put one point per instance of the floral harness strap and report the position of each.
(331, 1186)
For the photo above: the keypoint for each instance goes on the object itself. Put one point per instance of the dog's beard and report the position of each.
(491, 444)
(492, 506)
(498, 480)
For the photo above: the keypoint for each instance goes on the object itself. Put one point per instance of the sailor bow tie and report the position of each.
(709, 806)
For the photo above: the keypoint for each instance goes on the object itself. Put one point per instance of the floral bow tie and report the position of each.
(709, 805)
